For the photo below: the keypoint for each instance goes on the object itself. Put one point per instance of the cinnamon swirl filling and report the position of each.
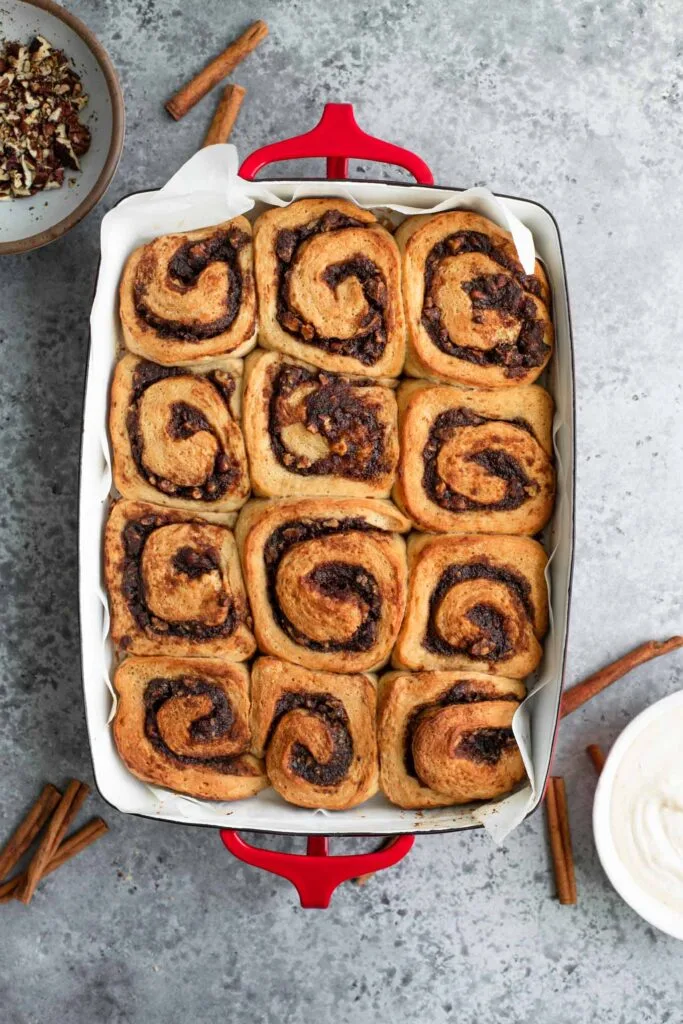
(329, 715)
(162, 411)
(364, 337)
(187, 719)
(183, 271)
(458, 624)
(344, 584)
(156, 554)
(333, 410)
(484, 745)
(316, 732)
(509, 296)
(494, 461)
(447, 738)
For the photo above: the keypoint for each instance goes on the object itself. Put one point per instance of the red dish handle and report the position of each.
(315, 874)
(337, 137)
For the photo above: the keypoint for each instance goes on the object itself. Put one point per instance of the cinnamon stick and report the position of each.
(597, 757)
(364, 879)
(67, 809)
(23, 836)
(557, 845)
(79, 841)
(563, 818)
(215, 70)
(225, 116)
(600, 680)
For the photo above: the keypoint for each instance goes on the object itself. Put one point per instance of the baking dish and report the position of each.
(337, 137)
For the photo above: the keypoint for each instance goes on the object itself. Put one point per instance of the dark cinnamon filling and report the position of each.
(486, 745)
(217, 724)
(135, 536)
(184, 269)
(509, 295)
(334, 579)
(368, 345)
(332, 713)
(493, 643)
(185, 421)
(196, 563)
(496, 463)
(460, 693)
(339, 414)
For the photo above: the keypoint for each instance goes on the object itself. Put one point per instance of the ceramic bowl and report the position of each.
(31, 221)
(647, 906)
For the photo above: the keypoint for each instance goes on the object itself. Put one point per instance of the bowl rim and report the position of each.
(648, 907)
(115, 145)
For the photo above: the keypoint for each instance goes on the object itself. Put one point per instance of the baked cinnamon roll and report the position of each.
(175, 436)
(316, 731)
(311, 432)
(183, 723)
(191, 296)
(478, 461)
(329, 287)
(446, 737)
(174, 583)
(473, 316)
(326, 580)
(474, 602)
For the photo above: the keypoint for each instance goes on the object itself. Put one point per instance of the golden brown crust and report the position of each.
(191, 295)
(310, 432)
(472, 316)
(316, 731)
(477, 461)
(175, 436)
(183, 723)
(329, 286)
(474, 602)
(446, 738)
(326, 580)
(174, 583)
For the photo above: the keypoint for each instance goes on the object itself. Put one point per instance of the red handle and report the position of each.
(315, 874)
(337, 137)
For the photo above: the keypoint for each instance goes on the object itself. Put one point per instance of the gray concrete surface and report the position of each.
(579, 106)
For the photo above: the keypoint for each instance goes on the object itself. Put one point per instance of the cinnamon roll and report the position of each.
(175, 436)
(316, 731)
(329, 287)
(311, 432)
(473, 316)
(174, 583)
(183, 723)
(474, 602)
(326, 581)
(476, 461)
(191, 296)
(446, 737)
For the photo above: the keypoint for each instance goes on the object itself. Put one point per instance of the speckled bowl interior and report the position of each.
(32, 221)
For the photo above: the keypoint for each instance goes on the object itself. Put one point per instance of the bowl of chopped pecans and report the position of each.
(61, 123)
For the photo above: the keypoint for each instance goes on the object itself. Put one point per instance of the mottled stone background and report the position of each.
(579, 106)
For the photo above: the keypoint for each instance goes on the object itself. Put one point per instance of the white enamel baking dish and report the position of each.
(192, 200)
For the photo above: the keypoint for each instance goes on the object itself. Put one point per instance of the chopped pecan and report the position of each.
(41, 97)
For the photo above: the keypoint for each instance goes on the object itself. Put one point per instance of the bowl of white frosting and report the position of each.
(638, 815)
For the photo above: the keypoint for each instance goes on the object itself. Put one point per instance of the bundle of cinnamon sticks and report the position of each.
(215, 71)
(557, 813)
(47, 822)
